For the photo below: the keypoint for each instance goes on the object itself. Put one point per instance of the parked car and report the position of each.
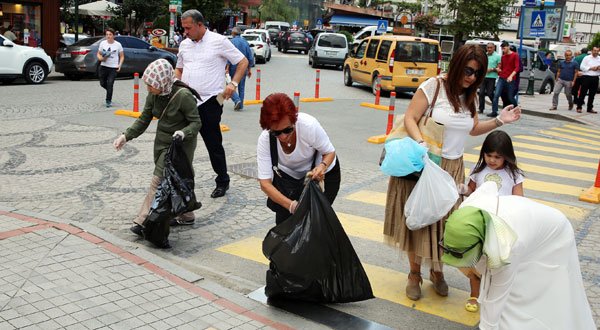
(80, 58)
(404, 62)
(282, 26)
(67, 39)
(274, 35)
(328, 48)
(532, 59)
(367, 31)
(263, 33)
(262, 51)
(18, 61)
(295, 40)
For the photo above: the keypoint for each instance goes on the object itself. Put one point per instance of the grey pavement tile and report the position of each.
(70, 308)
(220, 315)
(92, 324)
(209, 319)
(81, 315)
(174, 321)
(96, 311)
(133, 322)
(135, 310)
(38, 317)
(222, 325)
(49, 325)
(123, 303)
(246, 326)
(20, 322)
(99, 300)
(108, 319)
(159, 325)
(9, 314)
(65, 320)
(25, 309)
(54, 312)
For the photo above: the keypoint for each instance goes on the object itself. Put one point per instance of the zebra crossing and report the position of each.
(559, 164)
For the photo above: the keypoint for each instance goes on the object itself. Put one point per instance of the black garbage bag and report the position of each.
(311, 256)
(174, 196)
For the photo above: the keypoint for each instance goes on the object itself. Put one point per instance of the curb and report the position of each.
(556, 116)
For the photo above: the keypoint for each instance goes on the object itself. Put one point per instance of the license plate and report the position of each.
(330, 53)
(415, 72)
(65, 55)
(297, 42)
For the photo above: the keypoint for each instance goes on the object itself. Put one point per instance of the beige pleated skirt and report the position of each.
(423, 242)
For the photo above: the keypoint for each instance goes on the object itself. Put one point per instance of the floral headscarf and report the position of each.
(160, 75)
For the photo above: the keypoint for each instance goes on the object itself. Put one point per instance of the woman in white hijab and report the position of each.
(526, 254)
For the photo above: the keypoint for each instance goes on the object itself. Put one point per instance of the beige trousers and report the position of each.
(143, 213)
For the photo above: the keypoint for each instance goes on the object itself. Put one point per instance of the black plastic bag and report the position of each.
(311, 256)
(174, 196)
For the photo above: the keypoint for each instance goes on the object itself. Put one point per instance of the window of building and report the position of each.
(577, 17)
(25, 22)
(587, 17)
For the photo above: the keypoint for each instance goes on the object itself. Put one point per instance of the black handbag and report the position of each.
(289, 186)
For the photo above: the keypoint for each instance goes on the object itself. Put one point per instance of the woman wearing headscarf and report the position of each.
(174, 105)
(526, 254)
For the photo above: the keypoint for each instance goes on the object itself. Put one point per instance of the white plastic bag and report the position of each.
(432, 198)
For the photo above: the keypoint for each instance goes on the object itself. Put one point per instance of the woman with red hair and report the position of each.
(291, 145)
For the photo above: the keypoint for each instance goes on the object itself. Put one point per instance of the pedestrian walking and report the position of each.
(577, 86)
(242, 45)
(110, 54)
(201, 64)
(175, 107)
(455, 109)
(509, 67)
(497, 163)
(565, 78)
(590, 66)
(489, 83)
(290, 145)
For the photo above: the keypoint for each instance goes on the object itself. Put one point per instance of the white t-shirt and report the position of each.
(310, 136)
(113, 50)
(456, 125)
(502, 177)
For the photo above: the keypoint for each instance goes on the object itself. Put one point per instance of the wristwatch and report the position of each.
(234, 83)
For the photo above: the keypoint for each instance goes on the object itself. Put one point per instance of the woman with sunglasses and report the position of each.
(291, 145)
(526, 253)
(455, 108)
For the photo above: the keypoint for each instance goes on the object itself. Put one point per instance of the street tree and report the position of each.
(136, 12)
(595, 42)
(212, 10)
(278, 10)
(481, 18)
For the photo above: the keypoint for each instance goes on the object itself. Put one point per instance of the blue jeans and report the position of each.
(238, 96)
(508, 88)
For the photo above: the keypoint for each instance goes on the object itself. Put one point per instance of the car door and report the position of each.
(10, 61)
(129, 61)
(358, 70)
(370, 62)
(143, 54)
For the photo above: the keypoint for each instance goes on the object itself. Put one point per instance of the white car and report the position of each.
(262, 51)
(18, 61)
(263, 33)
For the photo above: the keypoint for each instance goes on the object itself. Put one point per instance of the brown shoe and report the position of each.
(439, 284)
(552, 108)
(570, 107)
(413, 286)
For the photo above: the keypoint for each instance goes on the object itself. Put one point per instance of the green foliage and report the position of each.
(481, 18)
(595, 42)
(162, 22)
(424, 22)
(277, 10)
(348, 35)
(145, 11)
(412, 7)
(117, 23)
(212, 10)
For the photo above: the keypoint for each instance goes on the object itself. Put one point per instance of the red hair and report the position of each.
(275, 108)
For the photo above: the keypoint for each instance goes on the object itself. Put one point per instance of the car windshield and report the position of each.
(411, 51)
(87, 41)
(251, 37)
(297, 35)
(332, 40)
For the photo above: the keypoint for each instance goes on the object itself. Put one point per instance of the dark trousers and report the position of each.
(332, 187)
(107, 80)
(588, 84)
(210, 115)
(575, 89)
(486, 89)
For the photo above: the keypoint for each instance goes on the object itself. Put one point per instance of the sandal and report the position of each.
(413, 291)
(473, 308)
(439, 284)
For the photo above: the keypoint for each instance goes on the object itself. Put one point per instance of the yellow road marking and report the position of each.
(530, 168)
(366, 196)
(570, 137)
(557, 160)
(386, 283)
(361, 227)
(556, 142)
(553, 150)
(582, 128)
(571, 212)
(595, 136)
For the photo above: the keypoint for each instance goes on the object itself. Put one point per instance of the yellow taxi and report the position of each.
(403, 62)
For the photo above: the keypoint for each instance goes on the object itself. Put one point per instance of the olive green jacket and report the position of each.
(181, 115)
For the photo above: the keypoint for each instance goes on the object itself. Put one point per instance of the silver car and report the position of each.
(328, 48)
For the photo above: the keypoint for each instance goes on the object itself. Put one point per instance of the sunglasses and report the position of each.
(469, 71)
(286, 130)
(455, 253)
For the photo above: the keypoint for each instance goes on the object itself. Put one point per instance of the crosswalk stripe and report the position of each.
(386, 283)
(556, 142)
(581, 128)
(595, 136)
(557, 160)
(553, 150)
(369, 197)
(570, 211)
(361, 227)
(570, 137)
(530, 168)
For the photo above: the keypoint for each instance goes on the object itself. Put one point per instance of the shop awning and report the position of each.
(353, 20)
(98, 8)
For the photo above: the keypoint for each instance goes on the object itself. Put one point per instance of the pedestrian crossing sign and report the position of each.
(382, 26)
(538, 19)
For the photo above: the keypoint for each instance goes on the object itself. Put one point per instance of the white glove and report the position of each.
(424, 144)
(509, 115)
(180, 133)
(462, 188)
(119, 142)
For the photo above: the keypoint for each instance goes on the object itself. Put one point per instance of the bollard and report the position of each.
(136, 92)
(378, 89)
(297, 100)
(391, 113)
(258, 84)
(592, 195)
(317, 84)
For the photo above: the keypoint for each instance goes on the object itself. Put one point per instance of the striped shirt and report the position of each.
(204, 61)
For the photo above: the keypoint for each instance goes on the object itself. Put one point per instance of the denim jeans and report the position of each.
(504, 86)
(238, 96)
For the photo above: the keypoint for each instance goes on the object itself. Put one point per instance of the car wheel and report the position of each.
(347, 77)
(314, 63)
(546, 87)
(35, 73)
(374, 84)
(269, 58)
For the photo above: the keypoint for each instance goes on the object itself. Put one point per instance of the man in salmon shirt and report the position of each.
(507, 70)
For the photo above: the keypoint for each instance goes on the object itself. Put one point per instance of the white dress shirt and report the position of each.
(589, 62)
(204, 61)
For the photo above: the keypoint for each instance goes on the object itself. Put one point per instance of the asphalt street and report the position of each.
(56, 159)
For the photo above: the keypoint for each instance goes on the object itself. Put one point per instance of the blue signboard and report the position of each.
(530, 3)
(382, 26)
(319, 23)
(538, 23)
